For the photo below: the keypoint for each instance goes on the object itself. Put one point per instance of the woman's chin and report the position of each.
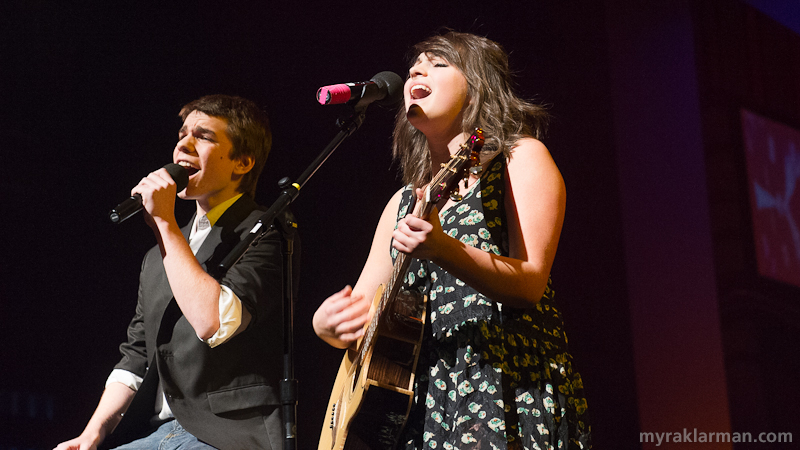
(415, 113)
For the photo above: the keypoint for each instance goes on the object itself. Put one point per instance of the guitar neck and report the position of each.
(401, 264)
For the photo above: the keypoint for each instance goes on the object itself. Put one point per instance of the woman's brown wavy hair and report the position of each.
(504, 117)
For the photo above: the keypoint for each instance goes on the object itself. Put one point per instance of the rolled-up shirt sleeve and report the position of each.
(125, 377)
(230, 317)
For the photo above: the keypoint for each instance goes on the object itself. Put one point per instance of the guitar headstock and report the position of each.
(468, 156)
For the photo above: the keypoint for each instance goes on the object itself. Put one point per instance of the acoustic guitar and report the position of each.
(374, 388)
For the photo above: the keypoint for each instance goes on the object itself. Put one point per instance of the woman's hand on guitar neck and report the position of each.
(340, 319)
(418, 237)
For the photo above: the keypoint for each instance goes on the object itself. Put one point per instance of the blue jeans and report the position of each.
(169, 436)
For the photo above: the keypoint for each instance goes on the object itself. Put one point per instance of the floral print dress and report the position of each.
(489, 377)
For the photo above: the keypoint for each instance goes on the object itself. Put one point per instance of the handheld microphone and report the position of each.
(133, 205)
(385, 88)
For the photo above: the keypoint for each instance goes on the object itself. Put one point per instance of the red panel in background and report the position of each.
(773, 172)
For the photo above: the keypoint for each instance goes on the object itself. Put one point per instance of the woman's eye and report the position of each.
(440, 64)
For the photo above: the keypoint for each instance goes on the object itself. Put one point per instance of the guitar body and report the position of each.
(370, 402)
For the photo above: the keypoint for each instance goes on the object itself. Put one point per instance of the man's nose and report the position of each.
(186, 145)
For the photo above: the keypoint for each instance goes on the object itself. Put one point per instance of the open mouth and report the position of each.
(190, 169)
(419, 91)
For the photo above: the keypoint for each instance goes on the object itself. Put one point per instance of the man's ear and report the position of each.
(244, 164)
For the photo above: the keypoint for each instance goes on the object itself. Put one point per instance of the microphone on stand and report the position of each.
(133, 205)
(385, 88)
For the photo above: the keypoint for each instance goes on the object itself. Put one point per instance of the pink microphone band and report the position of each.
(334, 94)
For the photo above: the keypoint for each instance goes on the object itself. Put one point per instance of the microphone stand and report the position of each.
(288, 227)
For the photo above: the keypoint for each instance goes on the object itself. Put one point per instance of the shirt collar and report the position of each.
(217, 211)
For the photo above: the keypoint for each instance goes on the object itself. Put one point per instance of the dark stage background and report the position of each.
(91, 92)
